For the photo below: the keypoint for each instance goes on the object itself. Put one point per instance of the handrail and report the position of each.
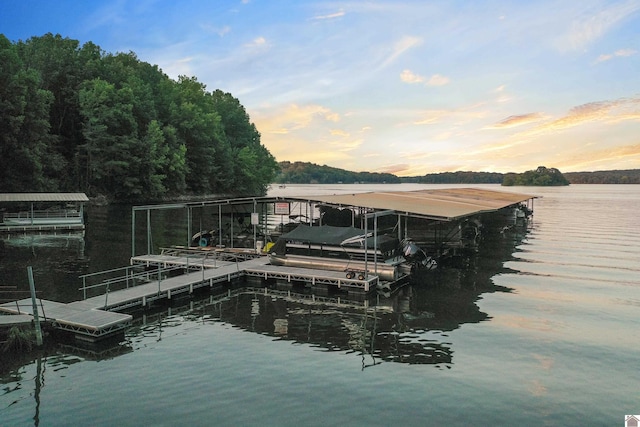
(107, 283)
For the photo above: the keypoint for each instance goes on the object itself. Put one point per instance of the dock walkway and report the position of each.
(96, 317)
(225, 271)
(84, 320)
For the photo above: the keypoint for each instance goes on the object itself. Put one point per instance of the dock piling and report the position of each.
(36, 318)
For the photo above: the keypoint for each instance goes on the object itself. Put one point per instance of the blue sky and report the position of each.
(406, 87)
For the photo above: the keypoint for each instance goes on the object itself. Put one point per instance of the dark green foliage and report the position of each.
(461, 178)
(74, 118)
(310, 173)
(19, 340)
(630, 176)
(542, 176)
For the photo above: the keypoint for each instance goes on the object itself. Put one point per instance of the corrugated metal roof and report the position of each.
(445, 204)
(43, 197)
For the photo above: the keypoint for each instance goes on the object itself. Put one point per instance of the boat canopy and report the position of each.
(448, 204)
(338, 236)
(43, 197)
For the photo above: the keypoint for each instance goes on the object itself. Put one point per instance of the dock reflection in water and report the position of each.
(410, 326)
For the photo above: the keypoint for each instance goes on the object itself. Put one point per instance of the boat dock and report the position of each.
(180, 270)
(84, 319)
(213, 271)
(97, 317)
(64, 212)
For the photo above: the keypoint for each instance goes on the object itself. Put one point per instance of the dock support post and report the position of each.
(106, 296)
(36, 318)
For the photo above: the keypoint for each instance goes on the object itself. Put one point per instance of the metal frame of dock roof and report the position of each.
(42, 220)
(43, 197)
(440, 204)
(447, 204)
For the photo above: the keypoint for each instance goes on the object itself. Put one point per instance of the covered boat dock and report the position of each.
(35, 212)
(440, 215)
(448, 204)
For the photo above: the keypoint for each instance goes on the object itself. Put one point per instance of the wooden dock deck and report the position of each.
(84, 320)
(97, 317)
(225, 271)
(7, 321)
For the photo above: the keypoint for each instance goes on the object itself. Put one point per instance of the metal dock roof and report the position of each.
(43, 197)
(444, 204)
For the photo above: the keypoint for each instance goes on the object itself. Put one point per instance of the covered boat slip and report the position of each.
(445, 205)
(436, 216)
(249, 222)
(442, 205)
(55, 211)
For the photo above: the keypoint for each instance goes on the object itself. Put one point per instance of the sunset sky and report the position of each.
(406, 87)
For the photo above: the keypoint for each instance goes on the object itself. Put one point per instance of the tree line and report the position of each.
(311, 173)
(76, 118)
(629, 176)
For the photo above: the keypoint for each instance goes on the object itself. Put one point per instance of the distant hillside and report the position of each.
(311, 173)
(461, 177)
(540, 177)
(629, 176)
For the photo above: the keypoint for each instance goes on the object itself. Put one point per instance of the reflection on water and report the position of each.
(535, 329)
(409, 326)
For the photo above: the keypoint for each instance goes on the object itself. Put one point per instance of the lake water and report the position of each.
(541, 328)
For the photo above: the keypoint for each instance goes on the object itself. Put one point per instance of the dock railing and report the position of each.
(124, 278)
(42, 216)
(205, 254)
(16, 299)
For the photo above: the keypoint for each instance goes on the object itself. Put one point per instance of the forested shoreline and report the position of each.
(310, 173)
(76, 118)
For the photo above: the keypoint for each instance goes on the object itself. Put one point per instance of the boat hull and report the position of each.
(385, 271)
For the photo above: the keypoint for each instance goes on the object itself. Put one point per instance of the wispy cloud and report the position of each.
(220, 31)
(609, 111)
(334, 15)
(456, 116)
(586, 153)
(293, 118)
(625, 156)
(518, 120)
(400, 47)
(617, 53)
(410, 77)
(437, 80)
(593, 25)
(258, 42)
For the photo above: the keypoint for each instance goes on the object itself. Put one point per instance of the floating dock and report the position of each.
(65, 212)
(97, 317)
(85, 320)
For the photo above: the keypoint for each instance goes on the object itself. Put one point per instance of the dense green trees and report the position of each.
(542, 176)
(311, 173)
(627, 176)
(462, 177)
(74, 118)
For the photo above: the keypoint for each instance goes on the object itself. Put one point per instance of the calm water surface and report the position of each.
(540, 328)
